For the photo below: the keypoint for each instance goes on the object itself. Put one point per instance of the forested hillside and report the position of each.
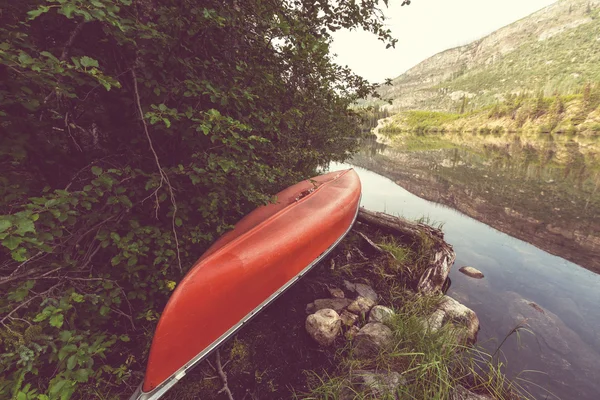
(553, 51)
(132, 134)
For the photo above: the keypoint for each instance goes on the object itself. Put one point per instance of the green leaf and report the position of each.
(24, 226)
(66, 350)
(124, 338)
(71, 362)
(67, 10)
(88, 62)
(57, 320)
(25, 58)
(96, 170)
(58, 386)
(65, 336)
(104, 310)
(132, 261)
(33, 14)
(21, 396)
(77, 297)
(178, 221)
(82, 375)
(4, 224)
(12, 242)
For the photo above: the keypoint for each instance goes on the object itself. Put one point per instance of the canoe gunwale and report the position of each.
(172, 380)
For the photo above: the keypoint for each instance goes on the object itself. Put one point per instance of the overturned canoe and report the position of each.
(246, 269)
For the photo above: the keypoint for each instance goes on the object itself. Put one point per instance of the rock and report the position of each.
(335, 304)
(350, 286)
(352, 332)
(324, 326)
(366, 291)
(554, 347)
(372, 338)
(451, 311)
(380, 385)
(336, 292)
(381, 314)
(435, 321)
(348, 319)
(461, 316)
(472, 272)
(461, 393)
(361, 306)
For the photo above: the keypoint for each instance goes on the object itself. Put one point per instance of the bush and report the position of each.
(134, 134)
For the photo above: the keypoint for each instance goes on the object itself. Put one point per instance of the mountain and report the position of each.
(554, 50)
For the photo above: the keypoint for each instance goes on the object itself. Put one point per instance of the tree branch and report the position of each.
(223, 377)
(163, 175)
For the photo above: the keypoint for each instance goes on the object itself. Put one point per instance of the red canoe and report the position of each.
(245, 270)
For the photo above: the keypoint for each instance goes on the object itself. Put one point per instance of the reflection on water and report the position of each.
(546, 195)
(566, 346)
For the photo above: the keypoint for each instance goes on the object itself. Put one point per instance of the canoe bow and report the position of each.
(245, 270)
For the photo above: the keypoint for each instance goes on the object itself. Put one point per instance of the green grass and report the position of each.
(432, 363)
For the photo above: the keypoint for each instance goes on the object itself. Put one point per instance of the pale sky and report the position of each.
(423, 29)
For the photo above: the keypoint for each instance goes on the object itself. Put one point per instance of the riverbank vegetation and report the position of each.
(576, 114)
(274, 358)
(133, 133)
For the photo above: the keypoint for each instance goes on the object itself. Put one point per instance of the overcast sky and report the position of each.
(425, 28)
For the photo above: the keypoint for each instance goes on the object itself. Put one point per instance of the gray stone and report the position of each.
(366, 291)
(462, 317)
(381, 314)
(350, 286)
(336, 292)
(335, 304)
(348, 318)
(451, 311)
(372, 338)
(435, 321)
(324, 326)
(472, 272)
(461, 393)
(361, 306)
(380, 385)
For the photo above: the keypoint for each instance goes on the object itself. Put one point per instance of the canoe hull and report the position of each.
(246, 269)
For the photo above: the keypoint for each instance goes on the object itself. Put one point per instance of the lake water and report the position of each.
(561, 359)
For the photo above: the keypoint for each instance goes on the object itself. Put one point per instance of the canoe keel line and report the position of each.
(308, 221)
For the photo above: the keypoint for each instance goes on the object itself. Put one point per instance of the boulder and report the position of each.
(380, 385)
(324, 326)
(336, 292)
(366, 291)
(348, 318)
(472, 272)
(451, 311)
(351, 287)
(462, 317)
(372, 338)
(335, 304)
(361, 306)
(381, 314)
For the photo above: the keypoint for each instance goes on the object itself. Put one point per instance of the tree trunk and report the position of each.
(414, 233)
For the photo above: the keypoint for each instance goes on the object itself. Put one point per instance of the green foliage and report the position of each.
(133, 134)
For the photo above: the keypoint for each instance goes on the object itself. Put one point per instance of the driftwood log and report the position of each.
(414, 233)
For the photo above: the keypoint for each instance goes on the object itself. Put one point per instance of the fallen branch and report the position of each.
(163, 175)
(413, 233)
(223, 377)
(373, 244)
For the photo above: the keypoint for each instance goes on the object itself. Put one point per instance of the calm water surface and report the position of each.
(562, 358)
